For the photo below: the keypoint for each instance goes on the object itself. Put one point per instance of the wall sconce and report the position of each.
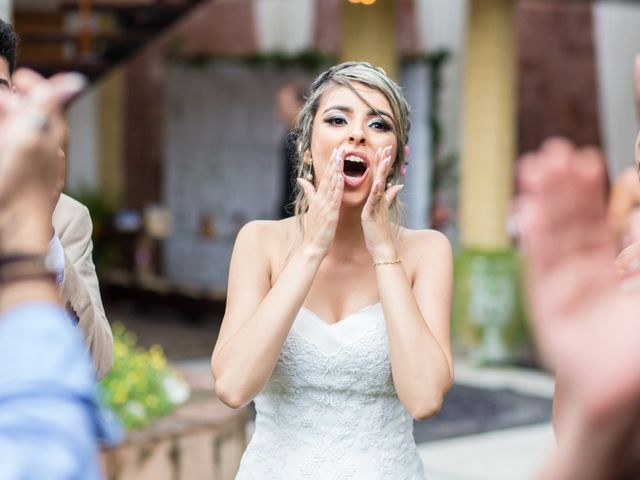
(362, 2)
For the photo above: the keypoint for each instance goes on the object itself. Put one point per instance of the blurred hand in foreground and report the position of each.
(586, 324)
(30, 128)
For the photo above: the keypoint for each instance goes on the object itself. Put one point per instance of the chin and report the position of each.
(355, 198)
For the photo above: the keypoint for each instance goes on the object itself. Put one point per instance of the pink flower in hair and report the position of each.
(403, 169)
(407, 150)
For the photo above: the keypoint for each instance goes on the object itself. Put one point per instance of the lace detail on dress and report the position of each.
(332, 416)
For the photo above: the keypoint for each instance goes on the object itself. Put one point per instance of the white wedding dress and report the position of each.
(330, 410)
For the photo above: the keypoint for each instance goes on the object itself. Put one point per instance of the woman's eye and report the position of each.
(380, 125)
(336, 121)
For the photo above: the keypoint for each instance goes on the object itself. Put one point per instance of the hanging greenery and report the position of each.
(308, 60)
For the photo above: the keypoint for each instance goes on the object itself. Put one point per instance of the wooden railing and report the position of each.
(91, 35)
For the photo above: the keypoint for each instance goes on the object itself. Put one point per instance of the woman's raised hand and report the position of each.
(321, 219)
(375, 215)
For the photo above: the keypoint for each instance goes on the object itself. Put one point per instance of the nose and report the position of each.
(356, 136)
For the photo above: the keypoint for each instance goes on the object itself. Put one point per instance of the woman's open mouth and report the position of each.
(355, 170)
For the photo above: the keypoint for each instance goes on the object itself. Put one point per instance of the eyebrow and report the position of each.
(371, 113)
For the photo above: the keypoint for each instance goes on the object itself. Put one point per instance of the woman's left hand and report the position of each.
(375, 215)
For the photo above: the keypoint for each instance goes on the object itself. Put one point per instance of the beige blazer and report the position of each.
(79, 290)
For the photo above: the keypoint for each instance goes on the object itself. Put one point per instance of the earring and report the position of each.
(389, 184)
(309, 176)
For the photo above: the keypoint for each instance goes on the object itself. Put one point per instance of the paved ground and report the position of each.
(505, 454)
(513, 454)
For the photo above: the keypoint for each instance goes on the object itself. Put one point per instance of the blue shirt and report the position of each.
(50, 421)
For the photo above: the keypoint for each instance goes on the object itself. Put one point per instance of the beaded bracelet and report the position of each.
(21, 267)
(392, 262)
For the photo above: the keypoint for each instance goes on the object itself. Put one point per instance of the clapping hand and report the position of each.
(29, 157)
(586, 324)
(29, 129)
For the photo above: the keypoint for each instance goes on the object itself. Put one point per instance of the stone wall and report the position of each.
(204, 439)
(557, 86)
(222, 162)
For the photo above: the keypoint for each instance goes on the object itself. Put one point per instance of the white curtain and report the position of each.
(6, 11)
(442, 24)
(285, 26)
(617, 39)
(83, 150)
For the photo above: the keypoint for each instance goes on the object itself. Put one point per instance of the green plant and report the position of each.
(308, 60)
(141, 386)
(488, 308)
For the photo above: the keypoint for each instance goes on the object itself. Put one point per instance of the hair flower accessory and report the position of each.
(405, 165)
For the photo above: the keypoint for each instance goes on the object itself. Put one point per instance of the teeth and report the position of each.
(354, 158)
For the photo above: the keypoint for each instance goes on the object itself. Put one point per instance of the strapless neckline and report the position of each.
(356, 314)
(331, 338)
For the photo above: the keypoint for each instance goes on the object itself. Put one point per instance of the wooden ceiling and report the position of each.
(90, 36)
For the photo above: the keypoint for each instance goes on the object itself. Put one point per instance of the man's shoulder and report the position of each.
(70, 211)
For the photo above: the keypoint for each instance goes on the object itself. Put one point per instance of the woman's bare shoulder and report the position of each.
(425, 252)
(426, 238)
(268, 235)
(427, 243)
(266, 229)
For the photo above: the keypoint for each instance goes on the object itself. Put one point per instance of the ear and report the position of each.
(306, 157)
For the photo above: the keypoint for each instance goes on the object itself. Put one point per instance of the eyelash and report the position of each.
(335, 120)
(382, 125)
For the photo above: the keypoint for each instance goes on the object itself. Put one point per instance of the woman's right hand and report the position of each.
(321, 219)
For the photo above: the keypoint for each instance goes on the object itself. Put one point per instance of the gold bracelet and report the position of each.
(392, 262)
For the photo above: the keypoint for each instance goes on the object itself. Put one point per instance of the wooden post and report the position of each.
(86, 35)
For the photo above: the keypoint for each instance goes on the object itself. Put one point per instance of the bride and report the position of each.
(337, 319)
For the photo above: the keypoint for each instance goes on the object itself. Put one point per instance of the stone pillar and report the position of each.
(111, 125)
(368, 34)
(489, 125)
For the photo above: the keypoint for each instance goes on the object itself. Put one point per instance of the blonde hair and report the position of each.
(345, 74)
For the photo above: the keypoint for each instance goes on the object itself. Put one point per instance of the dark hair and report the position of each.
(8, 44)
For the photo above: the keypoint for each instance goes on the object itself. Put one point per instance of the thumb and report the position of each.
(392, 193)
(307, 187)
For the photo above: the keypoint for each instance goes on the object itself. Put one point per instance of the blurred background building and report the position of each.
(177, 143)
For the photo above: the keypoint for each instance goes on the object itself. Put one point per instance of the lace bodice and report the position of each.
(330, 409)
